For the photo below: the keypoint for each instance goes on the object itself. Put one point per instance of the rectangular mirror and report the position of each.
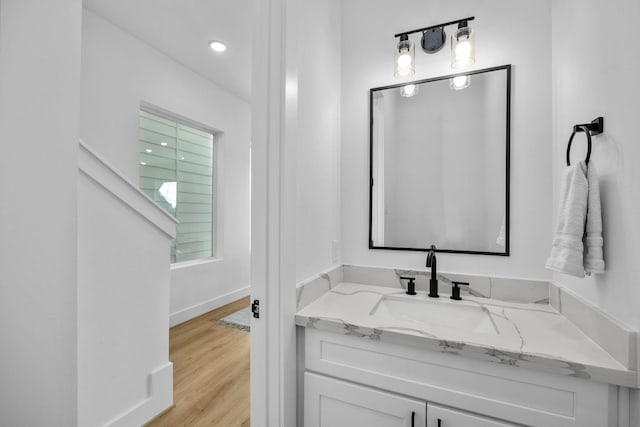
(440, 164)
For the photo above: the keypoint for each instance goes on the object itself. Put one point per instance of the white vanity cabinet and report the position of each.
(439, 416)
(334, 403)
(353, 381)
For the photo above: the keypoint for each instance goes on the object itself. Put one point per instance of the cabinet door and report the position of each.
(334, 403)
(438, 416)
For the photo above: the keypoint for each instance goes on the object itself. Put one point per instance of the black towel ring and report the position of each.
(577, 129)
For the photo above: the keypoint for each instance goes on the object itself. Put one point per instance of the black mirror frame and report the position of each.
(507, 159)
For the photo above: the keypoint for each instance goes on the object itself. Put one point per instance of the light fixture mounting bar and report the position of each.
(457, 21)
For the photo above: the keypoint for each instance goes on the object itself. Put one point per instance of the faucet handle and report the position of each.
(455, 290)
(411, 286)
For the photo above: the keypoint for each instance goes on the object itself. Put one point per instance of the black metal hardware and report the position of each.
(413, 419)
(596, 127)
(432, 263)
(411, 286)
(372, 91)
(419, 30)
(455, 290)
(255, 308)
(586, 160)
(433, 40)
(439, 422)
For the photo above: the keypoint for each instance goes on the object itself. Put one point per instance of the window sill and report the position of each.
(195, 262)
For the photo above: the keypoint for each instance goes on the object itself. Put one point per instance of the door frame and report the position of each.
(274, 127)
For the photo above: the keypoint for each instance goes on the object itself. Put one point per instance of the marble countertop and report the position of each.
(525, 335)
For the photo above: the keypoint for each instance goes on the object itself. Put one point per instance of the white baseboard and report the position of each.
(198, 309)
(159, 398)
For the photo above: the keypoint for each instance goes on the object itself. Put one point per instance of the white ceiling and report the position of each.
(182, 29)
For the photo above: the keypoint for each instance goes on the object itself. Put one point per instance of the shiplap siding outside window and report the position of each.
(176, 170)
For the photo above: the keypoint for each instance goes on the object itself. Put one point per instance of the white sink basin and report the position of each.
(440, 312)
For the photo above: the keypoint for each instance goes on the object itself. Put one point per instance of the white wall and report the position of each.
(39, 109)
(317, 143)
(123, 301)
(596, 75)
(506, 33)
(118, 73)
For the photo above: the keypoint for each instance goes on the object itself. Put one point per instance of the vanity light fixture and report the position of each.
(217, 46)
(459, 82)
(405, 57)
(463, 52)
(408, 91)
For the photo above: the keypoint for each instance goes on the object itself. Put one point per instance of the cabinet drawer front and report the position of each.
(503, 392)
(437, 416)
(333, 403)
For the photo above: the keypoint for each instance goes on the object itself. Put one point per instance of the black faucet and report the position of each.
(432, 263)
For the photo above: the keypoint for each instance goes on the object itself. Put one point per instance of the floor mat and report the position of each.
(241, 319)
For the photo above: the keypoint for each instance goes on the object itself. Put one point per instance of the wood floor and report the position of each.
(210, 372)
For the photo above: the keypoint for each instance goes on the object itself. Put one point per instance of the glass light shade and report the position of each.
(409, 90)
(459, 82)
(405, 58)
(463, 48)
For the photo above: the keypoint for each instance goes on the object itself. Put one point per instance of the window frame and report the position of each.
(216, 217)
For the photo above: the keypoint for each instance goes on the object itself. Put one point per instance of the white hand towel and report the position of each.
(593, 242)
(567, 248)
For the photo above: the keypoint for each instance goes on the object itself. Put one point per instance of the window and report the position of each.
(176, 170)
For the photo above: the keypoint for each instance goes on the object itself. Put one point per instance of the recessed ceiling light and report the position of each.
(149, 150)
(143, 163)
(164, 144)
(217, 46)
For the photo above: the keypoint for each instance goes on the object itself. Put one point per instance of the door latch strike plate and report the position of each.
(255, 308)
